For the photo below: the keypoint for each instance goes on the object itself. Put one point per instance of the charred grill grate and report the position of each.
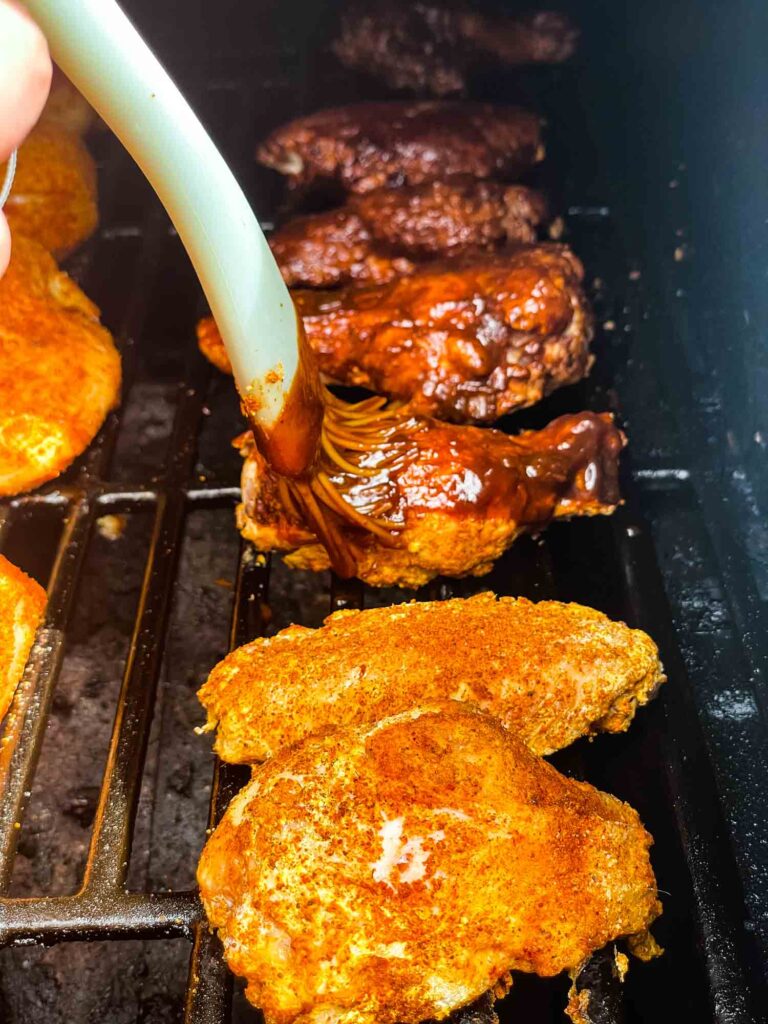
(662, 766)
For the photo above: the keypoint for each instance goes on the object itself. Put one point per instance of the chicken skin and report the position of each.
(66, 107)
(381, 235)
(53, 199)
(432, 47)
(550, 672)
(466, 343)
(59, 370)
(22, 602)
(367, 146)
(458, 496)
(395, 872)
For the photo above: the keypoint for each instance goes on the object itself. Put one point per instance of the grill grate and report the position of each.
(661, 765)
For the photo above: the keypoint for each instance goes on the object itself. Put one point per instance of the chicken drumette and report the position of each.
(382, 145)
(395, 872)
(465, 341)
(384, 234)
(550, 672)
(431, 47)
(456, 497)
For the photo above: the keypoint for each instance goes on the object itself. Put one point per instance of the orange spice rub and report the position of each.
(22, 602)
(59, 370)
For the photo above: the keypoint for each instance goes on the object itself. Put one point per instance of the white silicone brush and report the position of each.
(102, 53)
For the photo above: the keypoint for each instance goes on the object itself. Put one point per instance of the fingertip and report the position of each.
(25, 75)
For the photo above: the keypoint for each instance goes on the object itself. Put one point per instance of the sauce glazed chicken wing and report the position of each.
(465, 342)
(395, 872)
(550, 672)
(384, 145)
(382, 235)
(457, 497)
(429, 47)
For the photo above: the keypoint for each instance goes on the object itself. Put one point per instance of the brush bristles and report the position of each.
(369, 432)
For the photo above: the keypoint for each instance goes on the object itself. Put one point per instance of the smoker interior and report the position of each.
(107, 792)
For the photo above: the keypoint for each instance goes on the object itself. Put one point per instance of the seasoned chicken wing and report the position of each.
(53, 199)
(378, 236)
(465, 341)
(429, 47)
(459, 496)
(380, 145)
(550, 672)
(395, 872)
(22, 602)
(59, 370)
(66, 107)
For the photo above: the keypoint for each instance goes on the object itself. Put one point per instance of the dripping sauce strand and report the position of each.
(319, 446)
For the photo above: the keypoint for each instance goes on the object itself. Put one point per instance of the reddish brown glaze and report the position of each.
(429, 47)
(461, 495)
(376, 237)
(290, 446)
(384, 145)
(467, 341)
(464, 341)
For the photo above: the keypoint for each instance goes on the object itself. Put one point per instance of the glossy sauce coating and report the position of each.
(466, 341)
(461, 494)
(388, 144)
(376, 237)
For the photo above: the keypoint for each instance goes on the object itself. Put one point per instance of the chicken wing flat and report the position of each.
(466, 342)
(432, 47)
(550, 672)
(458, 495)
(378, 236)
(53, 199)
(383, 145)
(395, 872)
(59, 370)
(22, 602)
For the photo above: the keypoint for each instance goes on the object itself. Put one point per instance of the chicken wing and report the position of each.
(394, 872)
(378, 236)
(429, 47)
(459, 496)
(380, 145)
(53, 199)
(550, 672)
(59, 370)
(66, 107)
(22, 602)
(465, 342)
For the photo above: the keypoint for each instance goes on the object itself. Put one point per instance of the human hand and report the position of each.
(25, 78)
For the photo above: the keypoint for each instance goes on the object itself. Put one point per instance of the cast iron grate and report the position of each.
(661, 766)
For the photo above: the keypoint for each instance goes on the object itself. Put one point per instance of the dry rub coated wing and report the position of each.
(550, 672)
(53, 199)
(464, 341)
(59, 370)
(462, 495)
(376, 237)
(395, 872)
(431, 47)
(383, 145)
(22, 602)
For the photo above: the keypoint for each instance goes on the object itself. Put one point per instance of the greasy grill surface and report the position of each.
(163, 470)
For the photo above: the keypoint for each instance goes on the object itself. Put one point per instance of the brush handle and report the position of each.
(102, 53)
